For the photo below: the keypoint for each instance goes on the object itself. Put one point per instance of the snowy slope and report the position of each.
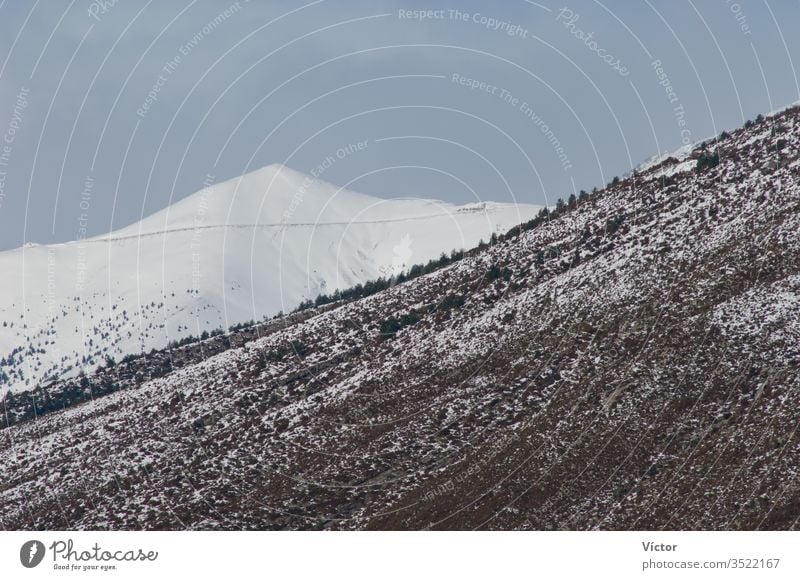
(240, 250)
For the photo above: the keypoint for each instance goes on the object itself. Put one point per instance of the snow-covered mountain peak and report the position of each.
(233, 251)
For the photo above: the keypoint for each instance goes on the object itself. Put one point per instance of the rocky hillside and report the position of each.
(630, 360)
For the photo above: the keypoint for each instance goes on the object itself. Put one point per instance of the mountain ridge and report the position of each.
(208, 262)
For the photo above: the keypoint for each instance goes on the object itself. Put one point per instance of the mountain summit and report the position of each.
(239, 250)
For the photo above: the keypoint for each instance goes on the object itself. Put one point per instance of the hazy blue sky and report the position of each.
(276, 81)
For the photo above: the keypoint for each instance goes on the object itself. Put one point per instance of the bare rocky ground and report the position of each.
(631, 361)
